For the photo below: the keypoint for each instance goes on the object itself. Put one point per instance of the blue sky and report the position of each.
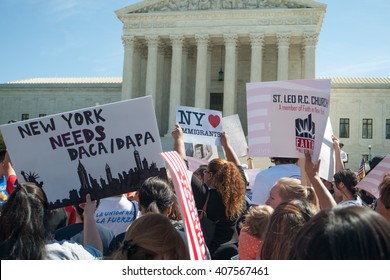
(82, 38)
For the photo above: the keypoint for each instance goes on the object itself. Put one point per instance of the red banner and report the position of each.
(187, 205)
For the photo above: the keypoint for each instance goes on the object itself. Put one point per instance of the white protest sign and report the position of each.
(232, 126)
(285, 118)
(104, 150)
(327, 166)
(200, 126)
(373, 179)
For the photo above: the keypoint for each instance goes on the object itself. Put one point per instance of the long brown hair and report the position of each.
(150, 237)
(228, 181)
(283, 226)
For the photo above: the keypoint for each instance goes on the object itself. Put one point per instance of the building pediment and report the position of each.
(158, 6)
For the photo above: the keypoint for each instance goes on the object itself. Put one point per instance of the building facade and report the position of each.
(202, 53)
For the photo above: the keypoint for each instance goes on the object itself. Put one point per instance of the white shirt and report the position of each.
(116, 213)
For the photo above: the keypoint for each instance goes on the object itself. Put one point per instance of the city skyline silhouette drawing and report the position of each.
(126, 181)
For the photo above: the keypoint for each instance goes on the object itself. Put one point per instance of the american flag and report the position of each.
(362, 170)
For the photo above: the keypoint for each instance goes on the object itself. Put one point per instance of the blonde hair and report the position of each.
(257, 219)
(228, 181)
(290, 188)
(151, 237)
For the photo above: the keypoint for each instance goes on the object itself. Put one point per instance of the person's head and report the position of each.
(226, 178)
(283, 160)
(256, 220)
(199, 172)
(344, 184)
(284, 224)
(155, 195)
(23, 223)
(374, 162)
(286, 189)
(341, 145)
(383, 202)
(343, 233)
(80, 210)
(151, 237)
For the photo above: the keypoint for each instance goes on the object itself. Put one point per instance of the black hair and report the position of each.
(348, 178)
(283, 160)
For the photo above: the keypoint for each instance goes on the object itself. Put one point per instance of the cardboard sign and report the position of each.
(373, 179)
(232, 126)
(187, 205)
(285, 118)
(327, 156)
(200, 126)
(104, 150)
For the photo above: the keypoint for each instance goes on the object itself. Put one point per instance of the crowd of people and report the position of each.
(299, 220)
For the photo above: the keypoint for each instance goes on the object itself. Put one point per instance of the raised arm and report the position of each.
(229, 152)
(337, 154)
(249, 159)
(9, 173)
(91, 233)
(325, 198)
(178, 142)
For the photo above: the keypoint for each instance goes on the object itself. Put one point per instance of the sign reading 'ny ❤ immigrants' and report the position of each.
(103, 150)
(200, 126)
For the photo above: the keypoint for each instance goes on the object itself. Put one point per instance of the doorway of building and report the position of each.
(216, 101)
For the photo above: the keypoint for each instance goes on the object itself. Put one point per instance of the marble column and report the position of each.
(127, 77)
(176, 77)
(309, 45)
(201, 71)
(230, 80)
(257, 44)
(151, 70)
(283, 41)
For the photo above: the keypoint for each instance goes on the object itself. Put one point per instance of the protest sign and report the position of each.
(187, 205)
(327, 166)
(103, 150)
(200, 126)
(232, 126)
(372, 180)
(285, 118)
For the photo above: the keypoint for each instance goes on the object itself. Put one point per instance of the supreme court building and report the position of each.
(201, 53)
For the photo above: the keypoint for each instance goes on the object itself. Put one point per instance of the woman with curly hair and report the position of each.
(221, 196)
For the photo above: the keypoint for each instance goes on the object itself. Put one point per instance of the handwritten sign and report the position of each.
(285, 118)
(104, 150)
(200, 126)
(187, 205)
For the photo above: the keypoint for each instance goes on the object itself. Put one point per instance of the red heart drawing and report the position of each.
(214, 120)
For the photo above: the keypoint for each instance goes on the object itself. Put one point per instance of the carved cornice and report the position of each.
(195, 5)
(261, 18)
